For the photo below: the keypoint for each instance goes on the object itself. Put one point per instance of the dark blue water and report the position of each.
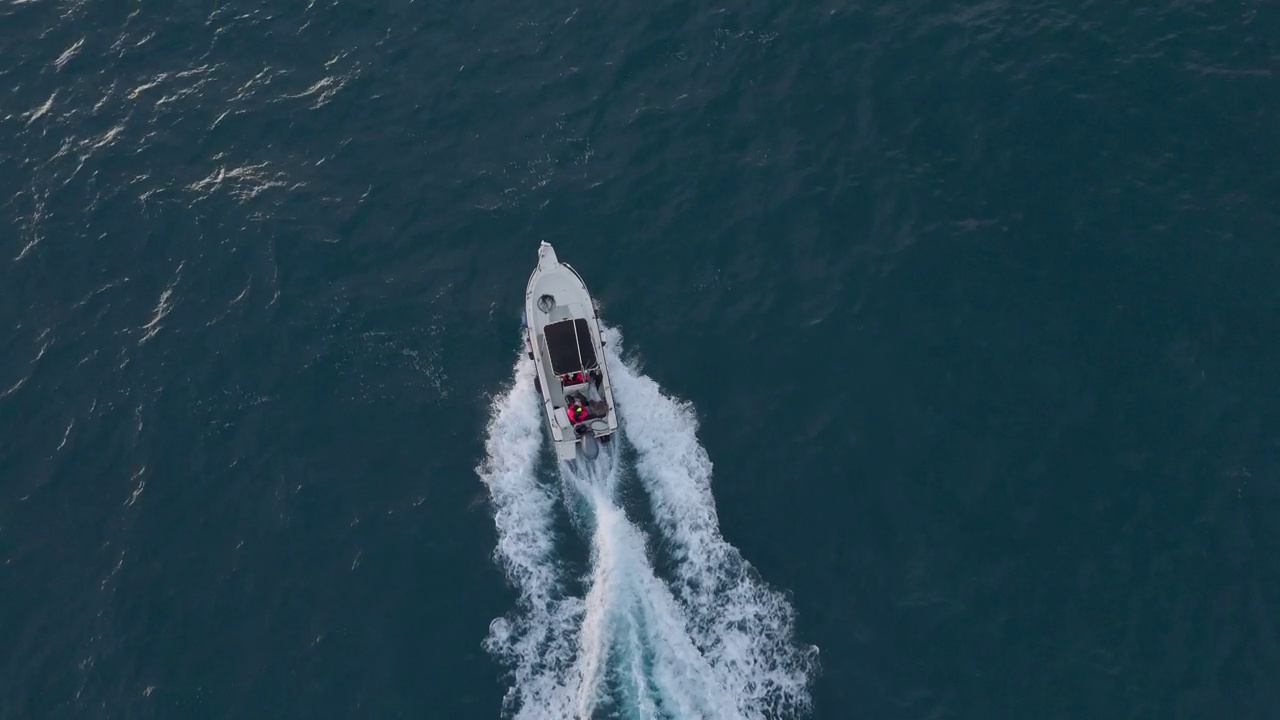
(975, 304)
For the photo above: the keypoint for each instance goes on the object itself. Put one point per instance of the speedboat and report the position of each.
(562, 336)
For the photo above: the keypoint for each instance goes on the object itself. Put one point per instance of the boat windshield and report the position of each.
(569, 345)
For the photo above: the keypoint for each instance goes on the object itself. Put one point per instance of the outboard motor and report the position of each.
(590, 448)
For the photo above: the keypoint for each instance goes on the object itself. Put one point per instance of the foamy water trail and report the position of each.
(537, 640)
(744, 628)
(715, 645)
(633, 619)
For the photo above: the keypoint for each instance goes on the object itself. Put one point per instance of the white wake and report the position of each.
(537, 640)
(716, 644)
(743, 627)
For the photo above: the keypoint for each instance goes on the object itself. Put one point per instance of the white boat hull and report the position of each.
(562, 335)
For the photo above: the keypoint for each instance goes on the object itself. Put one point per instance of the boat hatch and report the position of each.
(569, 345)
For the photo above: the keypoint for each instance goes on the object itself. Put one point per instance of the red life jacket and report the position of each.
(577, 413)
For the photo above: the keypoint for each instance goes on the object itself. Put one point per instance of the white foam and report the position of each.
(537, 640)
(744, 628)
(717, 645)
(633, 618)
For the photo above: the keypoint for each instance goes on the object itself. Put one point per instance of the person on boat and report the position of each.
(577, 411)
(574, 378)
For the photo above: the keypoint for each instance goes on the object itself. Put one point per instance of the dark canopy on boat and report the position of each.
(569, 344)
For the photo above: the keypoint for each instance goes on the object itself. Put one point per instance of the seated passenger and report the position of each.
(576, 411)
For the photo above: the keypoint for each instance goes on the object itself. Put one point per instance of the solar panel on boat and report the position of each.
(569, 344)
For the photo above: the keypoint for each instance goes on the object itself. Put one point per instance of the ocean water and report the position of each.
(947, 338)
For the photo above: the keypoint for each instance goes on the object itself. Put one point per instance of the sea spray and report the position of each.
(717, 644)
(537, 639)
(743, 627)
(635, 620)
